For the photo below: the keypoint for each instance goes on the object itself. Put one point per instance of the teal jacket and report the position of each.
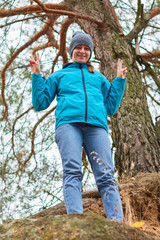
(81, 96)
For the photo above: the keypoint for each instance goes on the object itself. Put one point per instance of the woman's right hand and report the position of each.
(35, 64)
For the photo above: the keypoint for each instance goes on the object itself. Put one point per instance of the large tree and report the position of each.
(133, 131)
(120, 29)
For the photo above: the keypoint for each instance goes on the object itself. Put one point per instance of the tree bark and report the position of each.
(133, 132)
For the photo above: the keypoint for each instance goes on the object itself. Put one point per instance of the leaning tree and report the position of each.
(119, 29)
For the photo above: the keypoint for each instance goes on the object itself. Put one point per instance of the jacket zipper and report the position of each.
(85, 93)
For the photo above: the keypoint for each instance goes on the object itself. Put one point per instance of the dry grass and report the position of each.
(141, 201)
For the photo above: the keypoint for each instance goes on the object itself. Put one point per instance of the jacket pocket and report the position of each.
(96, 108)
(69, 108)
(60, 106)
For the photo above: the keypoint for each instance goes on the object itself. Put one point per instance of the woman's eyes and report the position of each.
(86, 49)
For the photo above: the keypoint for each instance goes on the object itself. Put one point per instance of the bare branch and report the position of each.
(148, 68)
(110, 7)
(54, 61)
(24, 19)
(62, 46)
(153, 99)
(10, 61)
(142, 23)
(71, 14)
(52, 42)
(21, 166)
(59, 9)
(154, 12)
(153, 54)
(51, 39)
(13, 131)
(29, 9)
(64, 27)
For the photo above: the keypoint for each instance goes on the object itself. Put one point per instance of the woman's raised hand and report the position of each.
(121, 72)
(35, 64)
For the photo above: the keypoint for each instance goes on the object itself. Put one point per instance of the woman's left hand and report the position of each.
(121, 72)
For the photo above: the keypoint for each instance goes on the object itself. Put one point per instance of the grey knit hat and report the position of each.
(80, 38)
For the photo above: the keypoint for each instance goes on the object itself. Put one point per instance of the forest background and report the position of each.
(30, 166)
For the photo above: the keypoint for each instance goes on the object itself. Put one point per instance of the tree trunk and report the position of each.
(133, 132)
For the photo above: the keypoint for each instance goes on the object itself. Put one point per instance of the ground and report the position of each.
(141, 203)
(140, 198)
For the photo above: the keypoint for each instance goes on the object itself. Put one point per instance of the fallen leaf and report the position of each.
(138, 224)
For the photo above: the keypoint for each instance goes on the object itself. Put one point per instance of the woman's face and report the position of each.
(81, 53)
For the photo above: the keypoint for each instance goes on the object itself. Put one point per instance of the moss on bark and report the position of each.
(66, 227)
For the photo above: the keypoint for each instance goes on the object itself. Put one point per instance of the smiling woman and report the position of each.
(81, 53)
(81, 47)
(81, 121)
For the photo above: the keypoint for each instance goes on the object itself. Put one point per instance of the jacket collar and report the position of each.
(75, 64)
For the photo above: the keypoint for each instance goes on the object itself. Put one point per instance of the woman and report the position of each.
(85, 98)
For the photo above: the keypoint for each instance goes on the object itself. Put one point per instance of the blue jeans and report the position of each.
(70, 138)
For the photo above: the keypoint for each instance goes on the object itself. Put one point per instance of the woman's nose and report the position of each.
(82, 50)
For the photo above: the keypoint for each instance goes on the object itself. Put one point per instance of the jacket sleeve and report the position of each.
(43, 91)
(113, 94)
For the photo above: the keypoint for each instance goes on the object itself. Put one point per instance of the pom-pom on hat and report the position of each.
(80, 38)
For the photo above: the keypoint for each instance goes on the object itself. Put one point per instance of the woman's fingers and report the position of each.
(35, 64)
(119, 63)
(38, 56)
(121, 72)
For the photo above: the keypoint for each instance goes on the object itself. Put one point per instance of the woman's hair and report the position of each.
(90, 67)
